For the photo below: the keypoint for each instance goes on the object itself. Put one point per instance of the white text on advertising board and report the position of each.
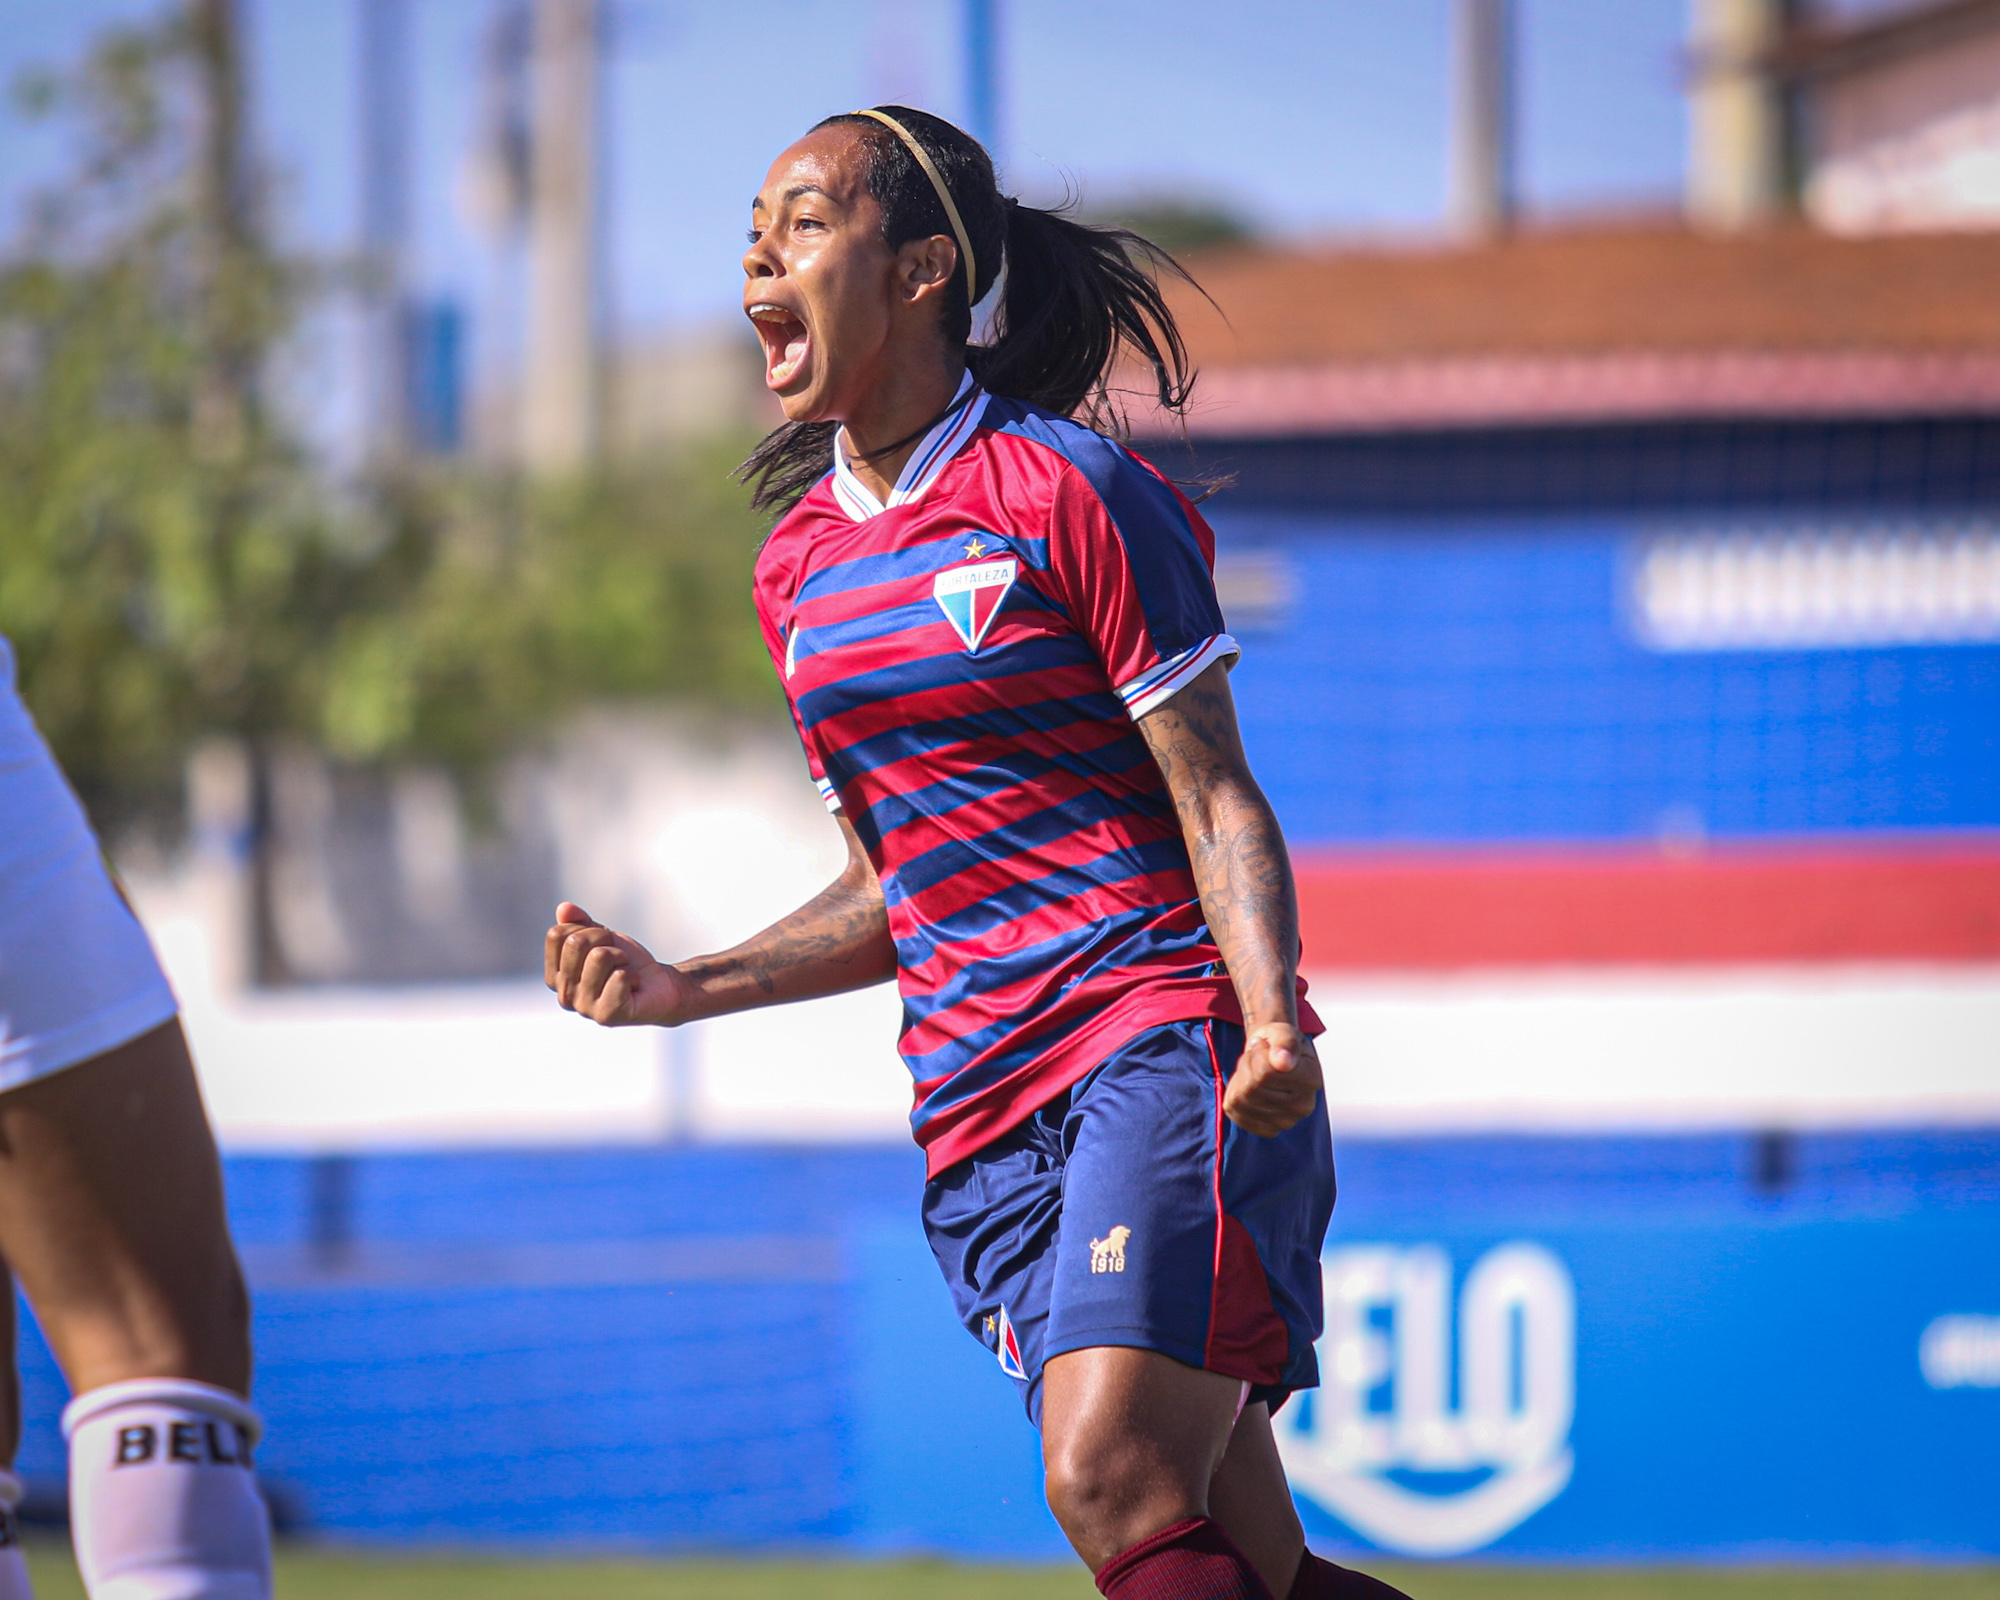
(1429, 1473)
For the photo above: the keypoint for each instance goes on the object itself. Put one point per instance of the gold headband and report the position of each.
(944, 195)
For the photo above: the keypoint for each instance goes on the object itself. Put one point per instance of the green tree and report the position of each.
(1178, 224)
(171, 565)
(164, 570)
(162, 563)
(503, 604)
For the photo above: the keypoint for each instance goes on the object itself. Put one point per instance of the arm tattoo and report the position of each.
(838, 940)
(1241, 869)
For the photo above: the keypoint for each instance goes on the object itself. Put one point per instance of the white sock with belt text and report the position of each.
(163, 1502)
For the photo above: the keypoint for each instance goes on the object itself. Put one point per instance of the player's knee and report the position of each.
(1071, 1486)
(1099, 1487)
(163, 1502)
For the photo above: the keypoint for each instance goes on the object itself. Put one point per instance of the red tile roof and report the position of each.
(1612, 322)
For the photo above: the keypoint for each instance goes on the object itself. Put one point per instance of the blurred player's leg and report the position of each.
(111, 1213)
(14, 1583)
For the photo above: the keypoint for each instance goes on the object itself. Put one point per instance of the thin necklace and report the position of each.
(959, 404)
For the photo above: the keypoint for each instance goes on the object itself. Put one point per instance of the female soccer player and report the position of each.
(111, 1217)
(999, 636)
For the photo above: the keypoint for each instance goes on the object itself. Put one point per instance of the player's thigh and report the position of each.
(110, 1194)
(1120, 1422)
(111, 1215)
(994, 1221)
(1130, 1442)
(1136, 1262)
(1135, 1411)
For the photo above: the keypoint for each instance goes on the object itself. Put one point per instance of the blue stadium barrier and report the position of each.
(1479, 680)
(1716, 1347)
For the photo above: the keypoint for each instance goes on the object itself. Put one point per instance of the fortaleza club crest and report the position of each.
(970, 597)
(1006, 1345)
(1383, 1446)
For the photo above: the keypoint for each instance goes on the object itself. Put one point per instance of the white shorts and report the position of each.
(77, 976)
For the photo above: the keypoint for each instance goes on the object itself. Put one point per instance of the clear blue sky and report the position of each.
(1314, 117)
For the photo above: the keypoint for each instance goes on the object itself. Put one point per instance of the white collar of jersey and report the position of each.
(929, 459)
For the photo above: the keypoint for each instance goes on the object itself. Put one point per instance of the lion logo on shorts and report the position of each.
(1108, 1254)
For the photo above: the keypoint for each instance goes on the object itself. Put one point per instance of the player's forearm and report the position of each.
(837, 941)
(1241, 869)
(1244, 876)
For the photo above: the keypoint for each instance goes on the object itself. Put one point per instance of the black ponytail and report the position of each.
(1076, 297)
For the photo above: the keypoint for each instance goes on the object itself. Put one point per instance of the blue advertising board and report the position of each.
(1746, 1387)
(1580, 1390)
(1574, 1349)
(1483, 679)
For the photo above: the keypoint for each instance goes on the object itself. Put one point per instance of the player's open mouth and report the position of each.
(786, 342)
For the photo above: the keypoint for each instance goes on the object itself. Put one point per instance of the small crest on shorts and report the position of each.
(1008, 1348)
(1108, 1254)
(970, 597)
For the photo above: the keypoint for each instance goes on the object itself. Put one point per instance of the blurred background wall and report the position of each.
(1606, 400)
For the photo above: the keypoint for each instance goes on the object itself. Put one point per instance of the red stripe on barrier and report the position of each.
(1902, 901)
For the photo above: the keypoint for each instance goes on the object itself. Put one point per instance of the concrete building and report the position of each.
(1888, 122)
(1902, 125)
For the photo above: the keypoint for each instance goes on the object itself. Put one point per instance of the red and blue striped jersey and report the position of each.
(965, 665)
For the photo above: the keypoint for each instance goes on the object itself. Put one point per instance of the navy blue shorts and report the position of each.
(1130, 1211)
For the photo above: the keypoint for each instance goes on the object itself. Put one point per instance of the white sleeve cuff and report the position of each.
(1151, 690)
(827, 796)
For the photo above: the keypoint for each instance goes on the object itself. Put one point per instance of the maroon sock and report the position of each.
(1192, 1560)
(1322, 1580)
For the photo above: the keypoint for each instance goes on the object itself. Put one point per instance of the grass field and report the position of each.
(325, 1575)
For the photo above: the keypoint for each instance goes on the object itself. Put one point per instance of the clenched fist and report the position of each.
(1276, 1080)
(608, 977)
